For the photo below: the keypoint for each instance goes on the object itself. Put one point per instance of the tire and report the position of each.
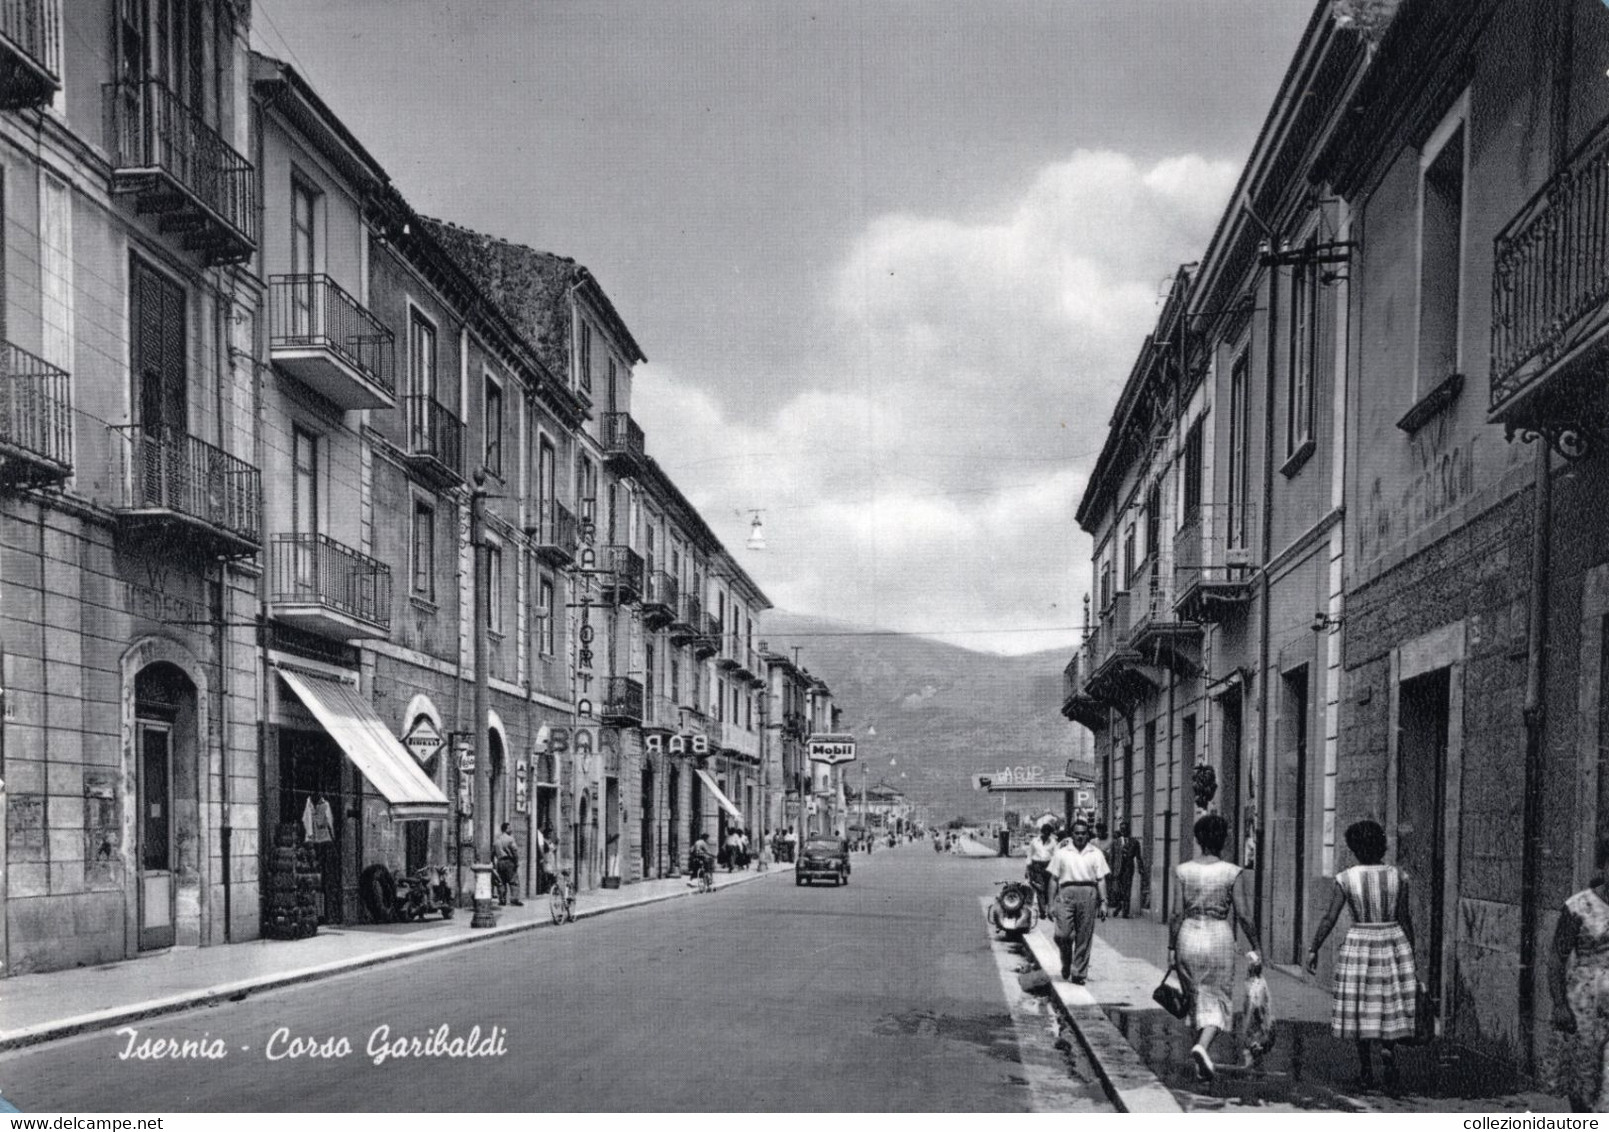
(378, 891)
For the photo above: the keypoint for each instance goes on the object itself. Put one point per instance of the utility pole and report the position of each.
(485, 916)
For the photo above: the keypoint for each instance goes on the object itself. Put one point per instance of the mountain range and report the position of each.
(929, 715)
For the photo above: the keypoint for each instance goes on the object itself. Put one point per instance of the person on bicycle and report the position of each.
(702, 860)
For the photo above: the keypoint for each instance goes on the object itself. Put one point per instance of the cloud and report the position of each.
(923, 471)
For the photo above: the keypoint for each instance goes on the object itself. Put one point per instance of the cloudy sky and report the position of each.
(890, 261)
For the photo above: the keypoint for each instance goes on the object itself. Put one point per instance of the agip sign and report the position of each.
(831, 749)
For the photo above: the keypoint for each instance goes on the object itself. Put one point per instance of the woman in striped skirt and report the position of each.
(1376, 990)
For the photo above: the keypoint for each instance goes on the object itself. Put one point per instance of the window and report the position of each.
(1239, 423)
(493, 425)
(1128, 556)
(1191, 486)
(304, 481)
(1106, 584)
(494, 588)
(546, 634)
(1303, 351)
(546, 459)
(719, 689)
(1441, 250)
(584, 364)
(56, 271)
(586, 475)
(675, 679)
(648, 681)
(422, 379)
(424, 550)
(1153, 520)
(614, 387)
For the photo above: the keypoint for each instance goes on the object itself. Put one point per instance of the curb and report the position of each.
(224, 992)
(1127, 1079)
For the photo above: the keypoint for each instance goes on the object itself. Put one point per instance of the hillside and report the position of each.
(941, 713)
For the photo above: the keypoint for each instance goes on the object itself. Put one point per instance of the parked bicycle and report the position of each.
(561, 898)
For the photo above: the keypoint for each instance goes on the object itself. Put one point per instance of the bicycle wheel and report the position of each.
(556, 903)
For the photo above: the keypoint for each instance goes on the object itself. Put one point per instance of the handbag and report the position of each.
(1176, 1000)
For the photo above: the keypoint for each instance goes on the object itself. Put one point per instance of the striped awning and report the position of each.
(368, 742)
(721, 799)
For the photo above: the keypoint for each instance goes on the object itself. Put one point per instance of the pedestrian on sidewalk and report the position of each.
(1579, 981)
(1201, 941)
(1376, 990)
(1040, 851)
(506, 862)
(1124, 856)
(1078, 873)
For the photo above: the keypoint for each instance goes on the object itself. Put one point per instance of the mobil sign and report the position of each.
(831, 749)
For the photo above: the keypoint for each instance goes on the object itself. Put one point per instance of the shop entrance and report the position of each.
(165, 795)
(611, 829)
(1423, 705)
(673, 820)
(647, 808)
(315, 795)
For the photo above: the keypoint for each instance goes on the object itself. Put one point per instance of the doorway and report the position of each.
(611, 830)
(165, 799)
(1229, 755)
(673, 817)
(647, 808)
(584, 876)
(695, 808)
(154, 752)
(1423, 717)
(1290, 912)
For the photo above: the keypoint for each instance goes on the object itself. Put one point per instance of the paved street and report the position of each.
(883, 995)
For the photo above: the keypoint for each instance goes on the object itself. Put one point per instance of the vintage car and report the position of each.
(822, 858)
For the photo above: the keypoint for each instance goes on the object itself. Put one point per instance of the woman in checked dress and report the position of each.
(1376, 992)
(1579, 982)
(1200, 939)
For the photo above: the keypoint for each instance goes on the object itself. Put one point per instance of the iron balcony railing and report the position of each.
(1550, 270)
(1213, 548)
(555, 530)
(690, 612)
(315, 569)
(626, 569)
(660, 712)
(622, 699)
(662, 589)
(712, 628)
(623, 436)
(32, 28)
(36, 415)
(181, 474)
(314, 312)
(152, 130)
(1116, 620)
(435, 433)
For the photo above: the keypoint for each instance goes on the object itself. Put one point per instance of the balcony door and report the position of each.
(304, 261)
(157, 362)
(304, 509)
(154, 755)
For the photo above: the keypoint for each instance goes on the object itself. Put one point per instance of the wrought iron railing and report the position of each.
(555, 528)
(626, 567)
(317, 569)
(152, 129)
(1213, 547)
(660, 711)
(435, 432)
(184, 475)
(662, 589)
(35, 28)
(622, 436)
(622, 699)
(1116, 620)
(690, 611)
(36, 414)
(314, 312)
(1550, 268)
(712, 628)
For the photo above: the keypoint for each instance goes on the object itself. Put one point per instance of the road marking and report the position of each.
(1052, 1085)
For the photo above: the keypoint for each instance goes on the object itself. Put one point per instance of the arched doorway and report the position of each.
(167, 803)
(648, 809)
(584, 838)
(499, 790)
(695, 809)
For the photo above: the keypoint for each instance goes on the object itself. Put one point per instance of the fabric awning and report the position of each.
(368, 742)
(720, 799)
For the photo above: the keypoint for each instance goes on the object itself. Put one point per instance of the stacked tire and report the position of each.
(293, 881)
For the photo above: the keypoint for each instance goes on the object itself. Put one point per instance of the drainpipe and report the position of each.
(1535, 720)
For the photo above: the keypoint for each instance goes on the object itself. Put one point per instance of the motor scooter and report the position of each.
(424, 891)
(1012, 911)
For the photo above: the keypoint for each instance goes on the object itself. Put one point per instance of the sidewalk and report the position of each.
(1308, 1069)
(43, 1007)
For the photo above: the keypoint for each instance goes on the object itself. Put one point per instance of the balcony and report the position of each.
(660, 713)
(1118, 672)
(689, 620)
(30, 53)
(659, 603)
(435, 448)
(179, 169)
(554, 533)
(1550, 304)
(1159, 634)
(623, 574)
(323, 587)
(623, 443)
(738, 742)
(1212, 579)
(754, 667)
(708, 641)
(36, 420)
(1078, 704)
(324, 338)
(731, 654)
(622, 702)
(176, 487)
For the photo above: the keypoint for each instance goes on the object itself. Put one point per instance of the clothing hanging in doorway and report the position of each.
(318, 822)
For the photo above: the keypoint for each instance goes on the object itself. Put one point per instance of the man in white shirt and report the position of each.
(1078, 873)
(1040, 851)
